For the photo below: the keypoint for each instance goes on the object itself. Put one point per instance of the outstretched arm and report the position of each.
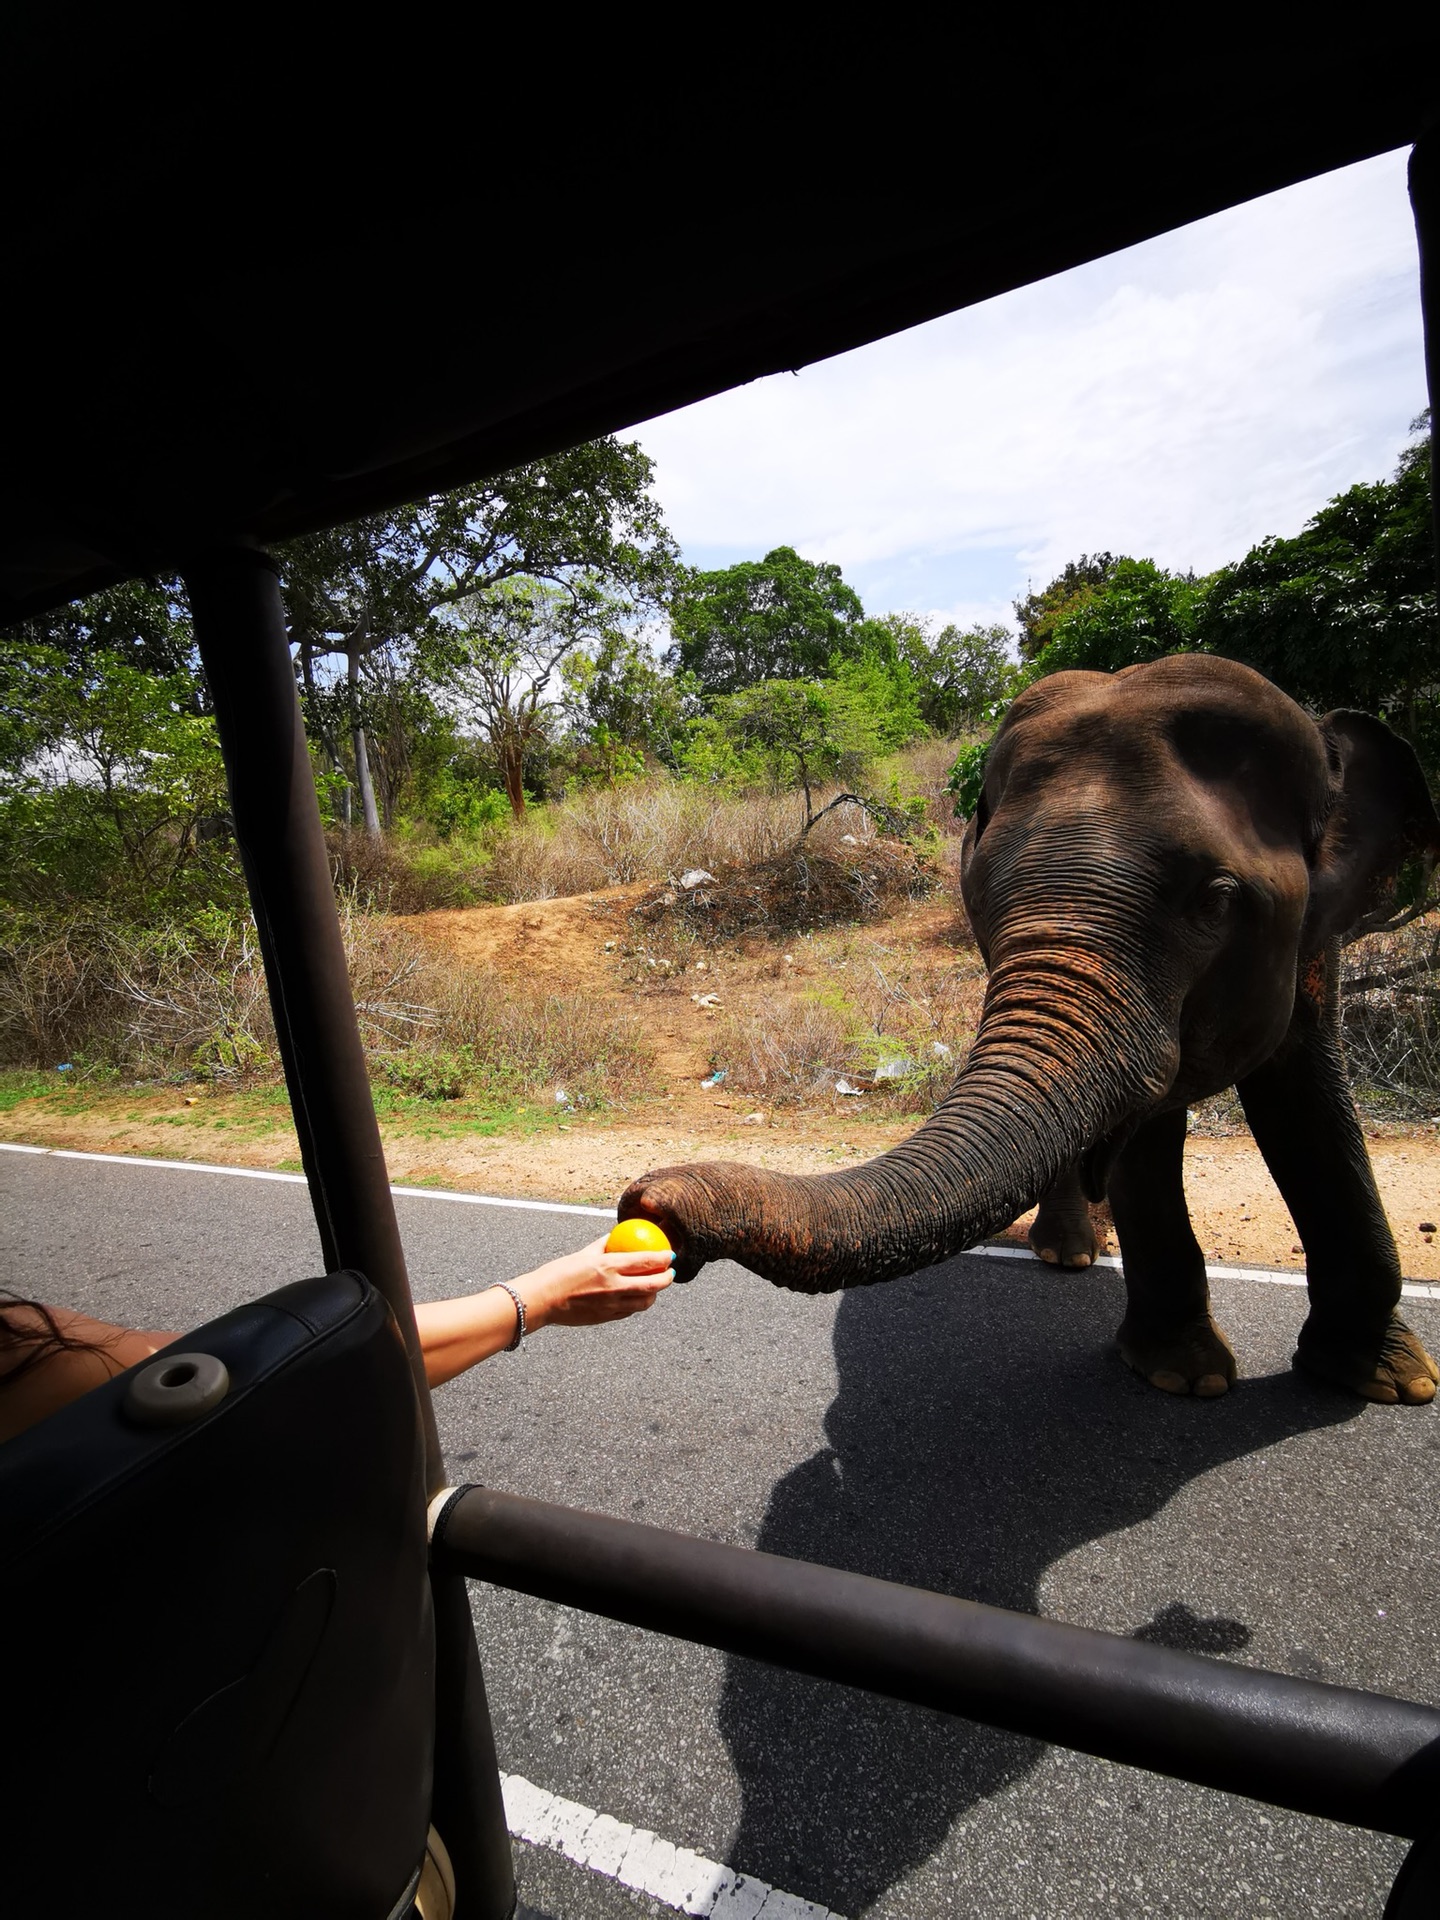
(49, 1356)
(577, 1290)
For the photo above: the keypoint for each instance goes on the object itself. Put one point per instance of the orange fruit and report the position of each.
(637, 1236)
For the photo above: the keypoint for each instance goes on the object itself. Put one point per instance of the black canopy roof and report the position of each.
(251, 294)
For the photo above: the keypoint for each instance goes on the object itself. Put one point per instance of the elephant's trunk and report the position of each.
(1068, 1049)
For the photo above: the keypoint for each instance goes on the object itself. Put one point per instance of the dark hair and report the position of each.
(32, 1343)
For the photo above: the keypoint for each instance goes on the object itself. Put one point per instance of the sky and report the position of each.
(1177, 401)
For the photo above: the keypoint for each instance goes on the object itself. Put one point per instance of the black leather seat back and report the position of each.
(218, 1640)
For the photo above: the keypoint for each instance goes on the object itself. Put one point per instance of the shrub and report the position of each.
(187, 999)
(1390, 1019)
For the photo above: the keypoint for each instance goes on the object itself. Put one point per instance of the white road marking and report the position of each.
(298, 1179)
(638, 1858)
(1267, 1276)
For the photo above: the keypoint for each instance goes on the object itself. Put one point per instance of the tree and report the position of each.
(1140, 613)
(1344, 614)
(790, 724)
(373, 594)
(1039, 613)
(111, 788)
(780, 618)
(621, 692)
(959, 673)
(507, 648)
(800, 732)
(144, 623)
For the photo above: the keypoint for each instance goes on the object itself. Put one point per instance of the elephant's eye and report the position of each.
(1216, 898)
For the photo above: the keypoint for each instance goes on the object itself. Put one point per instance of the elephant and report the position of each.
(1161, 871)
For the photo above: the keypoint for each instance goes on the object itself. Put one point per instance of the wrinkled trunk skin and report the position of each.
(1067, 1054)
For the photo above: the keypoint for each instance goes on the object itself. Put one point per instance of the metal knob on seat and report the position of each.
(176, 1389)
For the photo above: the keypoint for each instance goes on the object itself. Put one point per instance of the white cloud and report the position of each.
(1179, 400)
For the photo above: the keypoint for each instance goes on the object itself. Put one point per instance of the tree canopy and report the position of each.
(1344, 614)
(780, 618)
(388, 594)
(1040, 613)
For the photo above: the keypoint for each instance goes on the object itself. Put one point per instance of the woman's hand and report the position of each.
(581, 1289)
(577, 1290)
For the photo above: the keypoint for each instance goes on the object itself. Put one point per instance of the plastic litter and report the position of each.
(706, 999)
(894, 1066)
(940, 1050)
(694, 877)
(844, 1086)
(562, 1098)
(717, 1079)
(848, 840)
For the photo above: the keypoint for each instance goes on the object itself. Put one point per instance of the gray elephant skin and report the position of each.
(1160, 874)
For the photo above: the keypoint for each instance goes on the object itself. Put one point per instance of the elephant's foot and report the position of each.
(1063, 1233)
(1395, 1370)
(1194, 1357)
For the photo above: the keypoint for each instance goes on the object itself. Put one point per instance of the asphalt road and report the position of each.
(969, 1430)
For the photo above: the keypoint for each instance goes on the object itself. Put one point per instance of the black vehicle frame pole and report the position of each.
(244, 647)
(1425, 203)
(1416, 1892)
(1334, 1751)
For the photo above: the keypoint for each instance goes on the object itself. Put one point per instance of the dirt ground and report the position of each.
(589, 943)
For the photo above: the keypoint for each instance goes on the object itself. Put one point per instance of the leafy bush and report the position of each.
(394, 874)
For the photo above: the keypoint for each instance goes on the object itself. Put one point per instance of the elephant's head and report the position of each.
(1157, 856)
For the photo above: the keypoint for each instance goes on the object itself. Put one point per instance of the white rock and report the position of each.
(694, 877)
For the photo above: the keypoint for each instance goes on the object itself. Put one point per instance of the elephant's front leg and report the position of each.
(1167, 1333)
(1063, 1232)
(1303, 1118)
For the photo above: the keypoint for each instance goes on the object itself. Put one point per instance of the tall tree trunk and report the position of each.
(361, 749)
(512, 768)
(318, 729)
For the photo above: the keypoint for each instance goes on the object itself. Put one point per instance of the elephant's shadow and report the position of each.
(979, 1434)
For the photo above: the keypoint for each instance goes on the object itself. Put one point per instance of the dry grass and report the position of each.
(1390, 1013)
(182, 1001)
(648, 831)
(888, 1021)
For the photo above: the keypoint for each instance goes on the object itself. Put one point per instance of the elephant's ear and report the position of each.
(1380, 838)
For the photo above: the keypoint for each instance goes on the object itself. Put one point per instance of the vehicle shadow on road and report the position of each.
(980, 1432)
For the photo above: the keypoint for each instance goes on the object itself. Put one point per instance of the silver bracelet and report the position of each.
(519, 1312)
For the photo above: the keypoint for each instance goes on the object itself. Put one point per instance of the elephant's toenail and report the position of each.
(1049, 1256)
(1081, 1260)
(1170, 1382)
(1211, 1385)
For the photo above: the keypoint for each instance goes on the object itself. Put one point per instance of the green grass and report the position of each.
(23, 1083)
(246, 1113)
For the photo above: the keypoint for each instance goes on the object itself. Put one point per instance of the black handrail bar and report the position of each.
(1334, 1751)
